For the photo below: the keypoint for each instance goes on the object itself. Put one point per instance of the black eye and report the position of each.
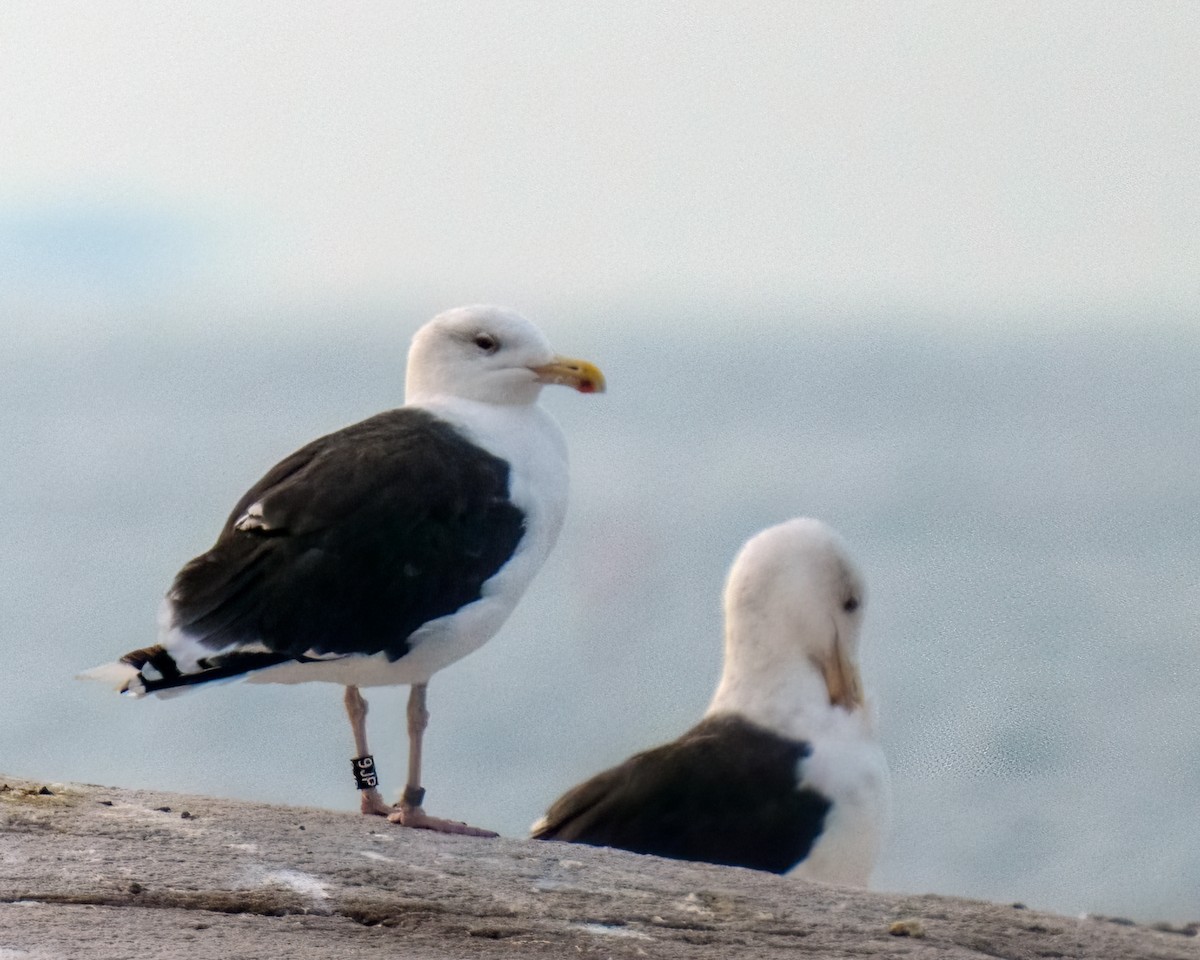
(850, 605)
(486, 342)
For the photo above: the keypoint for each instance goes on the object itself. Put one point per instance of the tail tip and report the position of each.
(122, 677)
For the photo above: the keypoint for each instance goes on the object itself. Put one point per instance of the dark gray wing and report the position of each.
(354, 541)
(725, 792)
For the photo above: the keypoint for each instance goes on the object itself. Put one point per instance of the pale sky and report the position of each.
(257, 157)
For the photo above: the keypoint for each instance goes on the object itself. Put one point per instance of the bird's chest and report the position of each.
(529, 441)
(537, 486)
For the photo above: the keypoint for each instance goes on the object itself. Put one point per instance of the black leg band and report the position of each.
(413, 796)
(365, 777)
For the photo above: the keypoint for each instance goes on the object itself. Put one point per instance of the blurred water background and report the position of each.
(926, 271)
(1024, 505)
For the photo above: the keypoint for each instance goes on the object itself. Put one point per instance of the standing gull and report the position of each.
(382, 553)
(784, 772)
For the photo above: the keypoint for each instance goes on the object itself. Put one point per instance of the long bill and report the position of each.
(841, 677)
(569, 372)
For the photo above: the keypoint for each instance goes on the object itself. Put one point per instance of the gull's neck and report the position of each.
(769, 680)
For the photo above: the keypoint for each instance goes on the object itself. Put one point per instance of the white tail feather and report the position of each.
(117, 674)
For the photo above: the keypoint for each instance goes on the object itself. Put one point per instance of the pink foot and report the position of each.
(373, 804)
(416, 817)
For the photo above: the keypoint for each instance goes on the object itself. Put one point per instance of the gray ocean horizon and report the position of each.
(1024, 506)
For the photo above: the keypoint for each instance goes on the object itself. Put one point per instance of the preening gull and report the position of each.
(382, 553)
(784, 771)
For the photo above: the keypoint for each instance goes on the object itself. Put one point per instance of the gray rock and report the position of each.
(106, 873)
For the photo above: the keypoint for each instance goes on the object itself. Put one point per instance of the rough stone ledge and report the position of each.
(106, 873)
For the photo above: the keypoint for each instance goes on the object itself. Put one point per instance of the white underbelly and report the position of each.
(432, 647)
(848, 767)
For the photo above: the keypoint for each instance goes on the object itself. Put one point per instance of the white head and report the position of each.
(793, 612)
(490, 355)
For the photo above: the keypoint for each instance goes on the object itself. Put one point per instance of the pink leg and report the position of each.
(409, 811)
(356, 709)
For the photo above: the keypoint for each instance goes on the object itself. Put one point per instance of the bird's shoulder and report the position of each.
(720, 756)
(404, 461)
(726, 792)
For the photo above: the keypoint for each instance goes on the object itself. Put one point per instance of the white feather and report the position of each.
(117, 674)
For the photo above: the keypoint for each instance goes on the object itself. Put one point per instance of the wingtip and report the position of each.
(122, 677)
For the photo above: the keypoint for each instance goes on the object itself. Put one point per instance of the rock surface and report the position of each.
(105, 873)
